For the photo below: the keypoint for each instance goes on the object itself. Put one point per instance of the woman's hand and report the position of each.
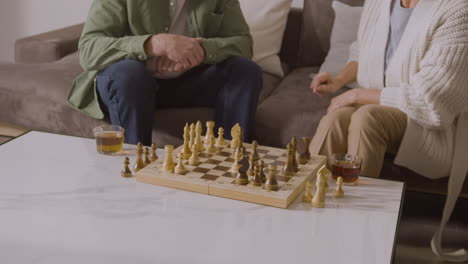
(324, 83)
(360, 96)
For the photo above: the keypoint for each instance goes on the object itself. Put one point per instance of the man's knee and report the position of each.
(129, 76)
(244, 67)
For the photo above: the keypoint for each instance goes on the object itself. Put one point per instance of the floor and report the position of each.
(419, 220)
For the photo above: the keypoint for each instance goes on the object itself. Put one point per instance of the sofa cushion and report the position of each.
(318, 19)
(291, 110)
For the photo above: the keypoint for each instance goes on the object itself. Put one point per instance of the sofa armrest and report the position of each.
(48, 47)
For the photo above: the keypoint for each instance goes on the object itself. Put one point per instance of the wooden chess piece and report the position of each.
(322, 176)
(139, 163)
(220, 143)
(251, 170)
(147, 159)
(126, 172)
(308, 193)
(318, 201)
(193, 134)
(302, 148)
(211, 146)
(168, 164)
(272, 183)
(262, 171)
(186, 152)
(254, 154)
(242, 178)
(235, 165)
(154, 156)
(194, 161)
(235, 134)
(288, 170)
(257, 179)
(294, 149)
(198, 137)
(338, 193)
(180, 168)
(209, 132)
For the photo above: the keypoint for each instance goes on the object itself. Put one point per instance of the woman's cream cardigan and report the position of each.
(428, 80)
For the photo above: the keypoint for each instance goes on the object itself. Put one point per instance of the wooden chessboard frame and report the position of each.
(225, 187)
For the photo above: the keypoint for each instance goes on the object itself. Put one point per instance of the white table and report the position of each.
(62, 202)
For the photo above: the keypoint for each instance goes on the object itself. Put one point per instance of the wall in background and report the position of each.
(22, 18)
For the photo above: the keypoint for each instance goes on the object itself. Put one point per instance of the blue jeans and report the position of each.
(130, 94)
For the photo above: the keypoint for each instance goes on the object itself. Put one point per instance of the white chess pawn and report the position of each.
(338, 193)
(220, 143)
(180, 168)
(211, 146)
(194, 158)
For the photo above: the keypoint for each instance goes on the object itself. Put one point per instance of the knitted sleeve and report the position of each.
(438, 92)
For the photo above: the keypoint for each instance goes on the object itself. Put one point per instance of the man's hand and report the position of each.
(324, 83)
(182, 50)
(166, 65)
(358, 96)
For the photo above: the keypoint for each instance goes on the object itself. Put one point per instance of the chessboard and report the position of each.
(212, 176)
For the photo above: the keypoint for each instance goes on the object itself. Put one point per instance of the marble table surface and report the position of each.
(62, 202)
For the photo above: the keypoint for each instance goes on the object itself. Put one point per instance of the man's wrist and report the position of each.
(154, 46)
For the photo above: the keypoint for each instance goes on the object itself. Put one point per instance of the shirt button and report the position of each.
(166, 29)
(172, 3)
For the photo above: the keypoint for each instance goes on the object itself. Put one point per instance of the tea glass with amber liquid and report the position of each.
(109, 139)
(345, 165)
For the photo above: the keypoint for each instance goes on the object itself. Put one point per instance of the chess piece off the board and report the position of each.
(319, 197)
(180, 168)
(308, 193)
(139, 163)
(126, 172)
(338, 193)
(271, 183)
(168, 164)
(147, 159)
(154, 156)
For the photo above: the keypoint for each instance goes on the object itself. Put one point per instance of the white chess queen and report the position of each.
(411, 60)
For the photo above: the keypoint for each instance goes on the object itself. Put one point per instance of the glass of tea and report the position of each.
(345, 165)
(109, 139)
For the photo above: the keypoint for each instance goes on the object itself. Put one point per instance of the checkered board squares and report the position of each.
(212, 177)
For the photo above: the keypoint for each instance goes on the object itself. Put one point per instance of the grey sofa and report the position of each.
(33, 90)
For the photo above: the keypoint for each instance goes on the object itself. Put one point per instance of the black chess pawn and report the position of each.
(262, 171)
(147, 158)
(257, 179)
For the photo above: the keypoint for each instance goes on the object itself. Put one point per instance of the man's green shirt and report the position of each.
(118, 29)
